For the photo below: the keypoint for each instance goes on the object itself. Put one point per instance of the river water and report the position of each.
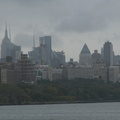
(87, 111)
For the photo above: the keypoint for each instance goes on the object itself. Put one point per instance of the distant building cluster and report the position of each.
(43, 63)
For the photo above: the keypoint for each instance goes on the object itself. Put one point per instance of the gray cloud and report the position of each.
(57, 43)
(83, 22)
(64, 20)
(24, 40)
(92, 19)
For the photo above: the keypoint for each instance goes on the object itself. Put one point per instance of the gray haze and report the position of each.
(71, 23)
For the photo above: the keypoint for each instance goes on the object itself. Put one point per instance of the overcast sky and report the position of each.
(71, 23)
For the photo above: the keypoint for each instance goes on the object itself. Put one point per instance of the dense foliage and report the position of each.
(81, 90)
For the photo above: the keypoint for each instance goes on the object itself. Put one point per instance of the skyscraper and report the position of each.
(85, 57)
(108, 53)
(8, 48)
(5, 46)
(45, 43)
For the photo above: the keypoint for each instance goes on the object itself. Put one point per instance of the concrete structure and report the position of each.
(85, 57)
(73, 73)
(108, 53)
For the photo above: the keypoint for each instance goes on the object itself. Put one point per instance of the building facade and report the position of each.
(108, 53)
(96, 57)
(58, 58)
(76, 73)
(26, 70)
(110, 74)
(85, 57)
(46, 50)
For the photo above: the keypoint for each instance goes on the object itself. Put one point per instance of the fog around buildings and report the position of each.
(70, 23)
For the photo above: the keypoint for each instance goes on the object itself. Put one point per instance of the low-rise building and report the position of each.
(98, 68)
(26, 69)
(56, 74)
(43, 72)
(8, 73)
(73, 73)
(110, 74)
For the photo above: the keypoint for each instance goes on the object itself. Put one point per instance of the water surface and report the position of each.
(88, 111)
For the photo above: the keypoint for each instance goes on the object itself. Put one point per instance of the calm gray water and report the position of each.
(89, 111)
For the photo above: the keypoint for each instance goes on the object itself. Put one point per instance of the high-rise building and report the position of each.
(34, 55)
(8, 48)
(58, 58)
(46, 54)
(108, 53)
(85, 57)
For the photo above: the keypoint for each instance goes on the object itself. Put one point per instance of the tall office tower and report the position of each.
(85, 57)
(108, 53)
(8, 48)
(45, 43)
(5, 46)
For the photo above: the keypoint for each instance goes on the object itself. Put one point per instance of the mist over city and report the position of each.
(70, 23)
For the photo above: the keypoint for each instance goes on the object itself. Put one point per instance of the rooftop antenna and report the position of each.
(106, 37)
(6, 25)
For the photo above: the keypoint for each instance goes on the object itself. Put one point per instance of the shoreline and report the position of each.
(62, 102)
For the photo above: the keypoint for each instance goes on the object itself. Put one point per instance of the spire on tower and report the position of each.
(9, 33)
(6, 32)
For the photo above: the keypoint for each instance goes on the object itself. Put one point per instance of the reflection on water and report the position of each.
(89, 111)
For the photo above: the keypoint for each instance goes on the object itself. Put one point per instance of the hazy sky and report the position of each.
(71, 23)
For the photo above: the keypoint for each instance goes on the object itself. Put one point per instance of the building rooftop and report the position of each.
(85, 50)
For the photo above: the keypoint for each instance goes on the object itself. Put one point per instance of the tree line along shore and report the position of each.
(63, 91)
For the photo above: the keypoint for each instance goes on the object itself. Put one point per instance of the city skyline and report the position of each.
(71, 23)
